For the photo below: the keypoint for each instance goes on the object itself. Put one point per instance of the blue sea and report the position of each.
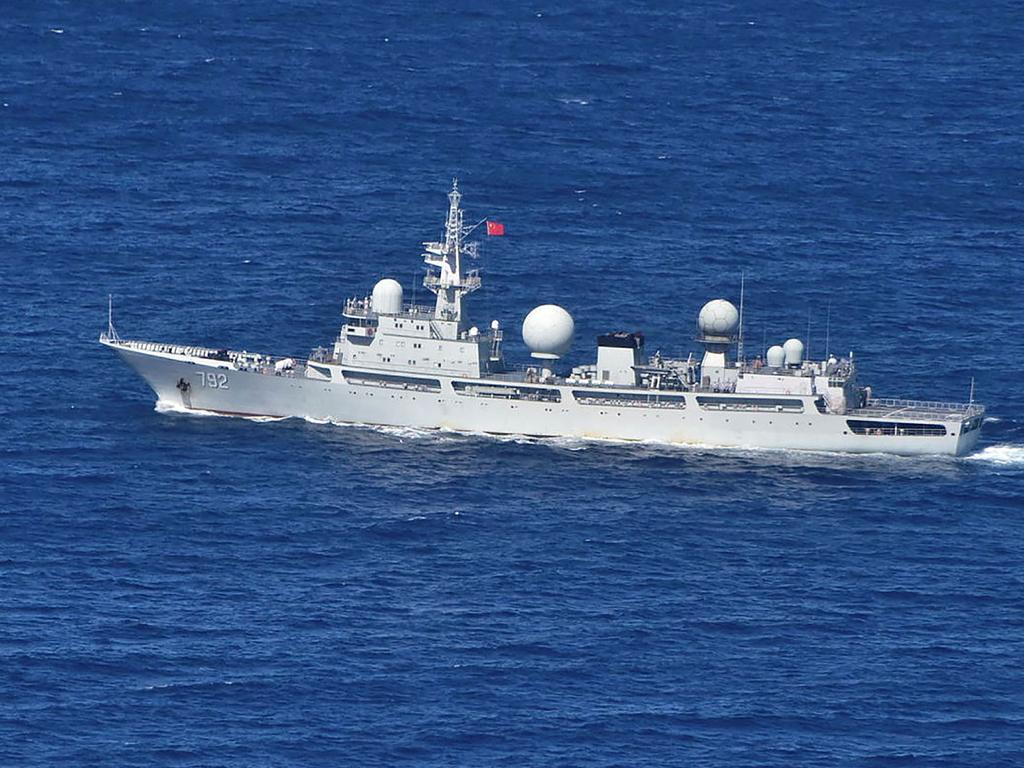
(182, 590)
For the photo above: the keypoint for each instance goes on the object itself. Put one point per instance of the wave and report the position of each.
(164, 406)
(1004, 454)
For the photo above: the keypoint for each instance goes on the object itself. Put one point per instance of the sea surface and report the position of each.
(182, 590)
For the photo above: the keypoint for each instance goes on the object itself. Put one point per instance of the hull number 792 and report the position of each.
(214, 380)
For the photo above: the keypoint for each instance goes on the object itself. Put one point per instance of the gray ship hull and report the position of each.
(195, 382)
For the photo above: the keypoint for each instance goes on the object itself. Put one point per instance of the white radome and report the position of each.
(718, 318)
(548, 331)
(387, 297)
(794, 352)
(776, 357)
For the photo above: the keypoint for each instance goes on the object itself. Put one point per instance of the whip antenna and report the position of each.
(739, 346)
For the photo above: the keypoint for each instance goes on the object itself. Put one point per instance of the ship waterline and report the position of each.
(402, 365)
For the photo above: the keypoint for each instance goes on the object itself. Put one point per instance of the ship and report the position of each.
(401, 364)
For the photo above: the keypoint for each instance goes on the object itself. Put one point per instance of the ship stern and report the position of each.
(969, 431)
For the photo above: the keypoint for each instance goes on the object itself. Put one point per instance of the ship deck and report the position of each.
(889, 408)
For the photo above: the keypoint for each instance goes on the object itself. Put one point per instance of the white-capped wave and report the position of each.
(165, 406)
(402, 433)
(1004, 454)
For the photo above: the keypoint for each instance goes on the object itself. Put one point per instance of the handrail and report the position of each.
(891, 407)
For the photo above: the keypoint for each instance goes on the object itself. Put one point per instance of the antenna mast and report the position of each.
(449, 283)
(828, 327)
(739, 346)
(111, 331)
(807, 346)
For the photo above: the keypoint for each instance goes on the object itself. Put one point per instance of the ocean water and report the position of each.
(181, 590)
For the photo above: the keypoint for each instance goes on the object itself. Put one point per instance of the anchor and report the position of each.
(185, 388)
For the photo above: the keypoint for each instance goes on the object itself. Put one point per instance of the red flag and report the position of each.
(495, 229)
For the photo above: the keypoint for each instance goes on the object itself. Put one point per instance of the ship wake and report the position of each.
(164, 406)
(1003, 454)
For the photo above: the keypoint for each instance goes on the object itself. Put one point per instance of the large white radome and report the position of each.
(548, 331)
(718, 318)
(387, 297)
(794, 349)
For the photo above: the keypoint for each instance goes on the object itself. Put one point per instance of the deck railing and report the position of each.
(882, 406)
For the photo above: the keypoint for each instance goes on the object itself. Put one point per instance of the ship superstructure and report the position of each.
(402, 364)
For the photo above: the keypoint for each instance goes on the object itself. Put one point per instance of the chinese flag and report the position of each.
(495, 229)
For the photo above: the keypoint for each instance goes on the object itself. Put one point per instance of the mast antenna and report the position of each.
(111, 331)
(828, 327)
(807, 346)
(971, 401)
(449, 283)
(739, 346)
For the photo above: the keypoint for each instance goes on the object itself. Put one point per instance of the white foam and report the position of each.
(402, 433)
(1005, 454)
(164, 406)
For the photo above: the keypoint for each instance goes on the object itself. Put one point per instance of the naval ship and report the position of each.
(396, 363)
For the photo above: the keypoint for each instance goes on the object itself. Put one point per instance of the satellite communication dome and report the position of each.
(718, 318)
(387, 297)
(548, 331)
(794, 352)
(776, 357)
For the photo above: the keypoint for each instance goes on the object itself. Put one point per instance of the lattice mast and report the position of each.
(448, 282)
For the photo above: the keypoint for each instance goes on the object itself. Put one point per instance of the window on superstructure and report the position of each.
(894, 428)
